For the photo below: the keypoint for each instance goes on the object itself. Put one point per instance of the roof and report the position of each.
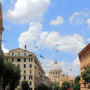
(18, 49)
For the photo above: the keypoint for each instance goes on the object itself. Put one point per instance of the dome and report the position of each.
(55, 66)
(62, 74)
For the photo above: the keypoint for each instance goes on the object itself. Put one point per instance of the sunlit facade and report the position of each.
(31, 69)
(84, 57)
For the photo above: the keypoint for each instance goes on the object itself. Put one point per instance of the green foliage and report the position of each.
(7, 74)
(42, 87)
(15, 78)
(88, 86)
(56, 86)
(77, 79)
(11, 75)
(86, 75)
(1, 65)
(25, 85)
(76, 84)
(65, 85)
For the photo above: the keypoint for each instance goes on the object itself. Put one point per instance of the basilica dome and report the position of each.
(55, 66)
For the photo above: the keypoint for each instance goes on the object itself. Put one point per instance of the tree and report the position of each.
(1, 65)
(56, 86)
(15, 78)
(11, 76)
(76, 86)
(86, 75)
(76, 83)
(42, 87)
(77, 79)
(25, 85)
(65, 85)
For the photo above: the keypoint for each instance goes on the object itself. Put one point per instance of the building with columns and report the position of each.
(31, 69)
(84, 57)
(56, 74)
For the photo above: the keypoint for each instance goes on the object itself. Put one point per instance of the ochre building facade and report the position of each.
(84, 57)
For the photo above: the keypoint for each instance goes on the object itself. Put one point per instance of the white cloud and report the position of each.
(35, 36)
(46, 64)
(31, 36)
(70, 69)
(80, 17)
(4, 49)
(70, 43)
(59, 20)
(88, 22)
(76, 61)
(27, 10)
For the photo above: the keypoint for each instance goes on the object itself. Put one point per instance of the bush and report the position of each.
(42, 87)
(65, 85)
(76, 86)
(25, 85)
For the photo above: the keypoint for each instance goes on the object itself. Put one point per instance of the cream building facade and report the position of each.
(31, 69)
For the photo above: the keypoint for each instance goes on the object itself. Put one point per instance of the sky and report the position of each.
(59, 28)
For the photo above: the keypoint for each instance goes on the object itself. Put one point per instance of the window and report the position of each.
(30, 83)
(30, 71)
(24, 71)
(24, 59)
(12, 59)
(24, 65)
(30, 54)
(35, 67)
(30, 88)
(30, 77)
(12, 54)
(31, 60)
(18, 60)
(30, 65)
(24, 54)
(24, 77)
(18, 54)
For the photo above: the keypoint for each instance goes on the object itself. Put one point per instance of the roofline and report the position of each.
(19, 48)
(83, 50)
